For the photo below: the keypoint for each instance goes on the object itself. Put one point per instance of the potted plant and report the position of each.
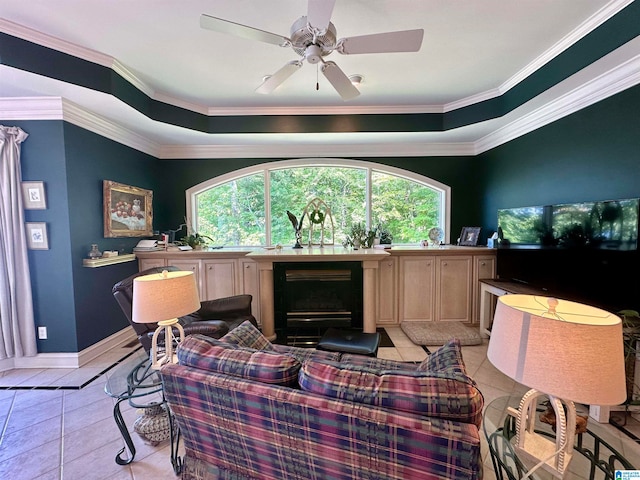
(195, 240)
(359, 236)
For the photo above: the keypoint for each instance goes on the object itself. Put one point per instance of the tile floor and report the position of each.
(68, 433)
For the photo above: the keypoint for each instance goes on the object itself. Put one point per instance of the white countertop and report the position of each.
(327, 253)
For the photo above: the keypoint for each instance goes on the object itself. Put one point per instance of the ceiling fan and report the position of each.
(313, 37)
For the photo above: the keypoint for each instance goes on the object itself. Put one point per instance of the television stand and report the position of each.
(490, 287)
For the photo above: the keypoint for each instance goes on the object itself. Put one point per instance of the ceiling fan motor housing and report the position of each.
(302, 37)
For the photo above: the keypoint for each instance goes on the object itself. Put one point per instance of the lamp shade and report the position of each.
(561, 348)
(164, 296)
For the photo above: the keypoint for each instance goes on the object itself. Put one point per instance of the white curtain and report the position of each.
(17, 328)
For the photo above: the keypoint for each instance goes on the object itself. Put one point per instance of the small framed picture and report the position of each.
(469, 236)
(33, 196)
(37, 236)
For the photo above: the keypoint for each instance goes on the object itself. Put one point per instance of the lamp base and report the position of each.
(535, 448)
(168, 356)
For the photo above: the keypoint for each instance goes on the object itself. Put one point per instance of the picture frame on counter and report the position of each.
(469, 236)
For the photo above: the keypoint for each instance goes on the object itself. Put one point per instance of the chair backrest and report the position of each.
(123, 293)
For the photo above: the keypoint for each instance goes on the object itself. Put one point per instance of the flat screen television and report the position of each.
(586, 252)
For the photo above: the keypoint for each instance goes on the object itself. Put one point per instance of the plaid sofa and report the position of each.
(248, 409)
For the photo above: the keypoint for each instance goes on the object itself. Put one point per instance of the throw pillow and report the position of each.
(447, 358)
(432, 394)
(247, 335)
(216, 356)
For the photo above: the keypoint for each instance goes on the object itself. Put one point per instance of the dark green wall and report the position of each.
(590, 155)
(460, 173)
(73, 302)
(593, 154)
(43, 158)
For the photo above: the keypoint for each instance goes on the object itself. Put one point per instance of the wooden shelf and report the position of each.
(103, 262)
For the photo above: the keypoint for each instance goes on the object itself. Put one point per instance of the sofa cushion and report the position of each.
(247, 335)
(220, 357)
(447, 358)
(373, 362)
(304, 354)
(433, 394)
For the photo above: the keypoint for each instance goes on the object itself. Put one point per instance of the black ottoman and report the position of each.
(348, 341)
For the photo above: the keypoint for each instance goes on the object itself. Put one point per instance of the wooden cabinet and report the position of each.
(453, 288)
(411, 284)
(387, 306)
(189, 265)
(484, 266)
(435, 288)
(146, 263)
(220, 278)
(250, 283)
(416, 288)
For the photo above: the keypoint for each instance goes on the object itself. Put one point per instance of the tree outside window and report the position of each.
(234, 212)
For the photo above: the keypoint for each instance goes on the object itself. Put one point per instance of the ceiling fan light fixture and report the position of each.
(356, 79)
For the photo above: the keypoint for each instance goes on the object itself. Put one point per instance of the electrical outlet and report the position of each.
(42, 333)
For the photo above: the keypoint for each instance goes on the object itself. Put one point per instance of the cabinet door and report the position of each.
(189, 265)
(146, 263)
(454, 288)
(387, 298)
(484, 267)
(416, 288)
(250, 283)
(220, 278)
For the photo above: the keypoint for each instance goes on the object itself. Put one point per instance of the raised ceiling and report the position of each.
(472, 52)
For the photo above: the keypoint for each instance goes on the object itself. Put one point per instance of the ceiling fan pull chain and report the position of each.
(317, 79)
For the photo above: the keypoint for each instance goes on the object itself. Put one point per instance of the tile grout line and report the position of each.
(6, 421)
(61, 467)
(72, 387)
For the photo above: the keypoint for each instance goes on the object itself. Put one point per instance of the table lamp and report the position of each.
(565, 350)
(161, 298)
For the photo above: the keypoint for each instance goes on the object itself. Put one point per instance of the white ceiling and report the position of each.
(472, 50)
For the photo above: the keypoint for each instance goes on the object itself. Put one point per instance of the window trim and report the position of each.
(265, 168)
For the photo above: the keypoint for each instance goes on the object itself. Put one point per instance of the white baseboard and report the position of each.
(70, 359)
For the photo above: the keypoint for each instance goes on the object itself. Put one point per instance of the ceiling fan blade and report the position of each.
(340, 81)
(319, 13)
(275, 80)
(238, 30)
(390, 42)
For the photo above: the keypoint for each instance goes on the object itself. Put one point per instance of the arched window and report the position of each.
(248, 207)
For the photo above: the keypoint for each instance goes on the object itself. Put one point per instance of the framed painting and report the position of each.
(37, 236)
(469, 236)
(128, 211)
(33, 196)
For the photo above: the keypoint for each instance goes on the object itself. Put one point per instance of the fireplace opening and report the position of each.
(310, 297)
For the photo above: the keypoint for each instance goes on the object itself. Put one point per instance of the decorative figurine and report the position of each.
(297, 227)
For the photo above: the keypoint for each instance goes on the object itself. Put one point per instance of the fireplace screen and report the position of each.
(320, 294)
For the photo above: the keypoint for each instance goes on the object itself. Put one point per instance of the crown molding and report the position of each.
(26, 33)
(54, 43)
(319, 150)
(620, 70)
(624, 74)
(31, 108)
(83, 118)
(593, 22)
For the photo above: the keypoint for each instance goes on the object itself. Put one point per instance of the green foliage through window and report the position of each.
(234, 213)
